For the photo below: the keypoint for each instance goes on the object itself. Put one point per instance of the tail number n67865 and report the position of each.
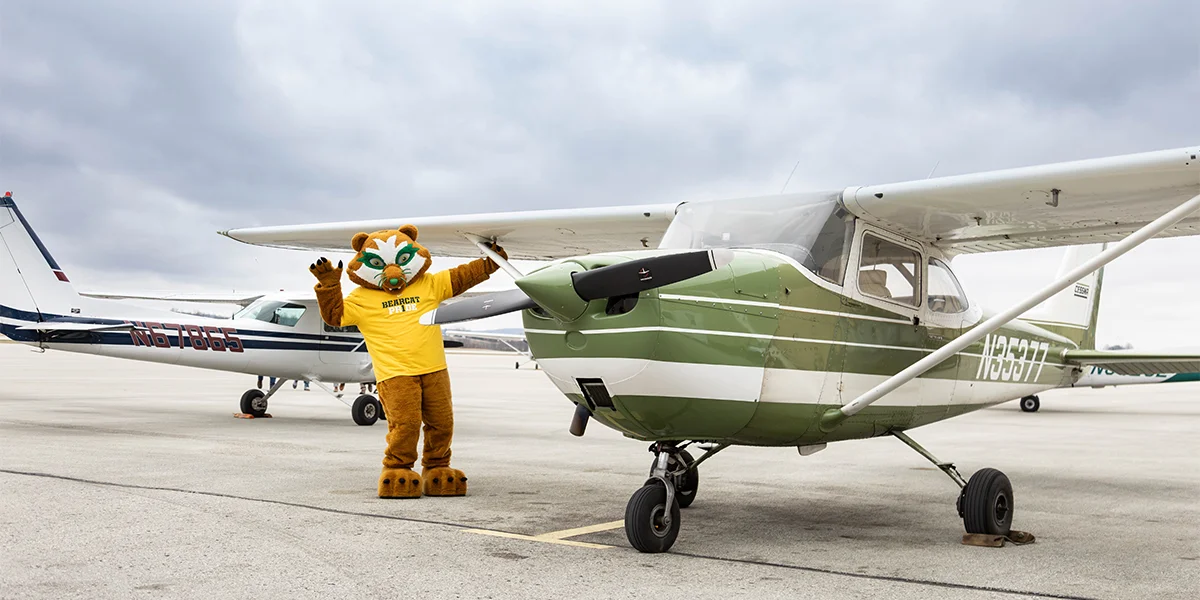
(1011, 359)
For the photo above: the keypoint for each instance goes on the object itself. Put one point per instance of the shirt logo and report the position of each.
(399, 305)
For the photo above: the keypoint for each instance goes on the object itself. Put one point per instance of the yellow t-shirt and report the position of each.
(397, 342)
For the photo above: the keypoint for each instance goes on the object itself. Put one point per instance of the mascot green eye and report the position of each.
(373, 261)
(405, 255)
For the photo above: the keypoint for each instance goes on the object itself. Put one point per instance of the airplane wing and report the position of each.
(1125, 362)
(483, 335)
(207, 298)
(530, 235)
(1082, 202)
(71, 325)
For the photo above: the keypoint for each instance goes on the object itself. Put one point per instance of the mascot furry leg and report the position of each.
(422, 399)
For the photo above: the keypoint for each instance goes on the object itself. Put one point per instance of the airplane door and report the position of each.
(946, 313)
(341, 345)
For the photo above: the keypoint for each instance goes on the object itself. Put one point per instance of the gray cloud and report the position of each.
(128, 125)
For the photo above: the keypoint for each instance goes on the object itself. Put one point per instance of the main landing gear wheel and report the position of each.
(687, 483)
(1030, 404)
(649, 526)
(986, 503)
(366, 410)
(254, 403)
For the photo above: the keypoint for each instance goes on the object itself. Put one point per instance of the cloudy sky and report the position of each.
(132, 130)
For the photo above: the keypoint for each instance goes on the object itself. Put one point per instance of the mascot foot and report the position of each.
(399, 483)
(444, 481)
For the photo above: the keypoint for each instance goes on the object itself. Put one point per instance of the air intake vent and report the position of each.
(594, 393)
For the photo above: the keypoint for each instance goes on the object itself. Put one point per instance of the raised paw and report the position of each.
(444, 481)
(325, 272)
(399, 483)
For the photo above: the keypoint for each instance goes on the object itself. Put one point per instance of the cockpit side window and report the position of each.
(945, 293)
(273, 311)
(889, 271)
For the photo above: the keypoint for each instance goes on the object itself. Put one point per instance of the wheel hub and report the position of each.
(259, 404)
(369, 411)
(660, 521)
(1001, 508)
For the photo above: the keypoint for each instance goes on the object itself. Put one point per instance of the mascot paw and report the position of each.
(444, 481)
(325, 272)
(399, 483)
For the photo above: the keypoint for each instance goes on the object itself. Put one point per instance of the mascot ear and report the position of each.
(410, 231)
(358, 241)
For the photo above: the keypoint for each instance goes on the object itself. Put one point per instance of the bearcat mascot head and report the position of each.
(388, 260)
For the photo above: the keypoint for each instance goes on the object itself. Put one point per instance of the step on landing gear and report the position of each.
(985, 503)
(652, 515)
(1030, 404)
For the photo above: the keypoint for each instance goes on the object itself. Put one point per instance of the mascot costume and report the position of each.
(410, 363)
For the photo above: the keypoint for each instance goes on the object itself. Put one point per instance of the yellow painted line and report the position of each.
(534, 538)
(566, 533)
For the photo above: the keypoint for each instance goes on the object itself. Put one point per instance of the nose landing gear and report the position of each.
(652, 515)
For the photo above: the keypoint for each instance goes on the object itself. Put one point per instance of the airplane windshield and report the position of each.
(813, 229)
(272, 311)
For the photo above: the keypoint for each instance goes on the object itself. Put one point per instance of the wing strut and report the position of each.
(485, 247)
(834, 416)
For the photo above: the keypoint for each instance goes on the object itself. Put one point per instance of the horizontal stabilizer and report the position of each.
(1123, 362)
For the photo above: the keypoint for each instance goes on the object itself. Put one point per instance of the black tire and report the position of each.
(644, 524)
(986, 503)
(1030, 404)
(366, 410)
(685, 486)
(254, 403)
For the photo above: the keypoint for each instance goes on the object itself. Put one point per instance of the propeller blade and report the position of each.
(478, 307)
(636, 276)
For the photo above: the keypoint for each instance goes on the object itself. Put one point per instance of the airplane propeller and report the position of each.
(564, 290)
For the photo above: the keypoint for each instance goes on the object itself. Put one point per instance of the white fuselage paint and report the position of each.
(641, 377)
(321, 360)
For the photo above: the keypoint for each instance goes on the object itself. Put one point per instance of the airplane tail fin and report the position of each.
(31, 282)
(1073, 312)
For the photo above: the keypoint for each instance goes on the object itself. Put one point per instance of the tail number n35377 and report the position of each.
(1011, 359)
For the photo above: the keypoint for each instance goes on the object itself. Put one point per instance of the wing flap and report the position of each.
(1088, 201)
(1135, 363)
(529, 235)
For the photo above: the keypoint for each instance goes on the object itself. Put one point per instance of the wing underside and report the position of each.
(1081, 202)
(1135, 363)
(530, 235)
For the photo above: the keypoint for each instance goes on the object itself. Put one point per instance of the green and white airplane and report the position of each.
(803, 319)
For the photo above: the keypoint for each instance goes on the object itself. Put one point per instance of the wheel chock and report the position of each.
(997, 541)
(247, 416)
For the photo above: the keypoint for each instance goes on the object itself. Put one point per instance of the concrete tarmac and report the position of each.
(124, 479)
